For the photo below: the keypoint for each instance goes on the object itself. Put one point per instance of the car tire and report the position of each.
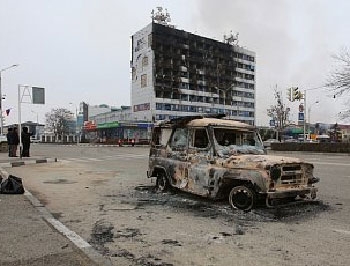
(242, 197)
(162, 182)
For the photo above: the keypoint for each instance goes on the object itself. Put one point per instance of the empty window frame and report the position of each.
(200, 138)
(143, 80)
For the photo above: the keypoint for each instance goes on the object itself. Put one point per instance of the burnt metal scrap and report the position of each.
(218, 158)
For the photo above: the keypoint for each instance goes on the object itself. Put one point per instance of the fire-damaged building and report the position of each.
(176, 73)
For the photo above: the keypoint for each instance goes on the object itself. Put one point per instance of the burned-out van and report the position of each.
(218, 158)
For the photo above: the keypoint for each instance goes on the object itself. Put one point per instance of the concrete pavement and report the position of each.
(30, 235)
(26, 239)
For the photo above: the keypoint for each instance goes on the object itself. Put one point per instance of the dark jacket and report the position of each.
(10, 138)
(15, 138)
(26, 138)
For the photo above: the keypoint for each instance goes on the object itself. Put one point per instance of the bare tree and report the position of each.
(58, 121)
(279, 113)
(339, 81)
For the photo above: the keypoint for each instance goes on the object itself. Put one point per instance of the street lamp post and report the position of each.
(37, 124)
(309, 111)
(316, 88)
(77, 130)
(1, 118)
(224, 92)
(309, 114)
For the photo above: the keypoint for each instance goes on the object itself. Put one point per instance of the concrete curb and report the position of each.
(27, 162)
(77, 240)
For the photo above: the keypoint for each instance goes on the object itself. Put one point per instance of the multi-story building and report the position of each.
(177, 73)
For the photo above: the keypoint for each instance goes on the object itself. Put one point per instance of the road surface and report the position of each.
(103, 195)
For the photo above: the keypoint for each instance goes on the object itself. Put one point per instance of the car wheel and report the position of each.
(242, 197)
(162, 182)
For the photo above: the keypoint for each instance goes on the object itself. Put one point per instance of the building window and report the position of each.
(133, 73)
(143, 80)
(167, 107)
(144, 61)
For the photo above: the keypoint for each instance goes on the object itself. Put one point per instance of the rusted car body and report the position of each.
(219, 158)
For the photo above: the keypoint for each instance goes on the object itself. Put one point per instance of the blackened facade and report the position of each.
(177, 73)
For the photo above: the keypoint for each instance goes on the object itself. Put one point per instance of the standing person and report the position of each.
(25, 142)
(10, 139)
(15, 142)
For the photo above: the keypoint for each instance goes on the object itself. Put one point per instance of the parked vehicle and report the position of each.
(33, 139)
(3, 138)
(218, 158)
(267, 143)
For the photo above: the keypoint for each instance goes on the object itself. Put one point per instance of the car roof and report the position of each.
(218, 122)
(203, 121)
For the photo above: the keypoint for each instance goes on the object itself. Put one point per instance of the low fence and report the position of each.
(312, 147)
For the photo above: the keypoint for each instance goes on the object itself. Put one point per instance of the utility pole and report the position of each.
(1, 118)
(305, 115)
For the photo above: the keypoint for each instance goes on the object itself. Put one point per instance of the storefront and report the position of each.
(126, 132)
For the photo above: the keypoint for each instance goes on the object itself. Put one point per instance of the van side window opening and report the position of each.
(226, 137)
(248, 139)
(200, 138)
(179, 138)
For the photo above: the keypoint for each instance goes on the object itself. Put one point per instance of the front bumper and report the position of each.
(281, 194)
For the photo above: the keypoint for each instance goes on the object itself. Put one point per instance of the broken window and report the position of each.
(143, 80)
(225, 137)
(179, 138)
(200, 138)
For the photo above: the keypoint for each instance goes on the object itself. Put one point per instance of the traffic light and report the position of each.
(295, 94)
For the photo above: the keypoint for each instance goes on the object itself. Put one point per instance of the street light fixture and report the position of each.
(224, 91)
(1, 119)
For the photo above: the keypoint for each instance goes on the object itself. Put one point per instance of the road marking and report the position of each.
(326, 163)
(104, 158)
(72, 236)
(346, 232)
(94, 159)
(77, 240)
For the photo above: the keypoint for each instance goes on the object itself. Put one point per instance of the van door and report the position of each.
(198, 159)
(177, 158)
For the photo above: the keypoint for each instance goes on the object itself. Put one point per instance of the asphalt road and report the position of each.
(104, 196)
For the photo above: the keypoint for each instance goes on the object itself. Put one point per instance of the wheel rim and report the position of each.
(242, 198)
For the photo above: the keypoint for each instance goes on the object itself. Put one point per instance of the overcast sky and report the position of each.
(79, 50)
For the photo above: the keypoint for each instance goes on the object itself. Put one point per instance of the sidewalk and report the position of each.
(27, 234)
(26, 239)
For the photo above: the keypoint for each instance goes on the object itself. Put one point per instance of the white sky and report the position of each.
(79, 50)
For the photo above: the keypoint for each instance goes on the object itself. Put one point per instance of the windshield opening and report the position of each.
(232, 141)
